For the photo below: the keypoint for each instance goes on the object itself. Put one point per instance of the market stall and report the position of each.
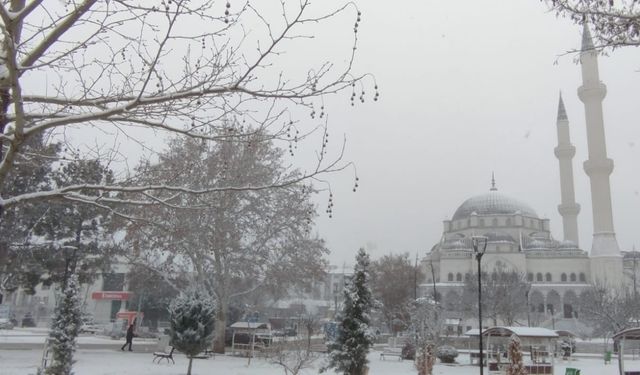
(538, 342)
(630, 336)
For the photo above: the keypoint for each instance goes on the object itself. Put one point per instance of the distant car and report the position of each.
(290, 332)
(91, 328)
(6, 324)
(27, 321)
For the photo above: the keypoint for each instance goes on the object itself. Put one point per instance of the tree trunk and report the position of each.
(221, 325)
(190, 363)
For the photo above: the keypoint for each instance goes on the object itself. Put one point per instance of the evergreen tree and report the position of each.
(516, 367)
(348, 354)
(65, 329)
(192, 323)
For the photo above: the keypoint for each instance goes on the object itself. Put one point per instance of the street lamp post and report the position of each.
(479, 247)
(526, 295)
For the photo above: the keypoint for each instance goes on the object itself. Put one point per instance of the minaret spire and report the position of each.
(598, 167)
(587, 41)
(493, 182)
(565, 151)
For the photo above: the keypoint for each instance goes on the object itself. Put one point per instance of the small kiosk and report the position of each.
(539, 342)
(630, 336)
(254, 336)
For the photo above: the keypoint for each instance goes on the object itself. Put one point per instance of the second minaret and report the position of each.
(565, 151)
(598, 166)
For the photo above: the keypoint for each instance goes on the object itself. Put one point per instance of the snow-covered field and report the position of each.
(115, 362)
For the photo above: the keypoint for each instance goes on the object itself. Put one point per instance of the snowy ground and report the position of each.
(115, 362)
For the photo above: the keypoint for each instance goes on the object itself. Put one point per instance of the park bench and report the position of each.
(632, 373)
(391, 352)
(571, 371)
(166, 354)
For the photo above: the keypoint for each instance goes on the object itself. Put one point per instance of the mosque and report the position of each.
(518, 239)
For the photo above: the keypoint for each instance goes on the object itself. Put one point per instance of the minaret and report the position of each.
(565, 151)
(598, 167)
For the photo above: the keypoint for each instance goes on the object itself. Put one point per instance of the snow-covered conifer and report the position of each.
(516, 367)
(192, 323)
(348, 354)
(64, 329)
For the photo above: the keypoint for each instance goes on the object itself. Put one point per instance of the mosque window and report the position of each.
(450, 277)
(530, 276)
(538, 276)
(563, 277)
(583, 278)
(541, 307)
(481, 223)
(494, 222)
(572, 277)
(547, 277)
(458, 276)
(508, 221)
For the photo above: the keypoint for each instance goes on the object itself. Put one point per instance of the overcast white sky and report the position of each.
(467, 88)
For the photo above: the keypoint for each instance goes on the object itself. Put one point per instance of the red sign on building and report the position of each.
(116, 295)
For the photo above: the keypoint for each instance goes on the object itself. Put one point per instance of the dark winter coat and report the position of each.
(130, 333)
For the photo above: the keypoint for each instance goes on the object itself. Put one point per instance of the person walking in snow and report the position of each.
(129, 338)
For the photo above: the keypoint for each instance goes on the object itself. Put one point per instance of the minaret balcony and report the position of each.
(565, 151)
(595, 92)
(569, 209)
(598, 167)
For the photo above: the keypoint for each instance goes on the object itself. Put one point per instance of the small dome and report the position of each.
(539, 243)
(455, 244)
(567, 244)
(499, 237)
(492, 203)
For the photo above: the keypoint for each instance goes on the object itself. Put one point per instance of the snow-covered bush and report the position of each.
(447, 354)
(192, 323)
(408, 351)
(64, 329)
(348, 354)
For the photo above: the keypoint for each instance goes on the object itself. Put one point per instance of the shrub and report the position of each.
(447, 354)
(408, 351)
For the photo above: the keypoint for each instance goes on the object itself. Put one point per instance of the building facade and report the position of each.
(558, 271)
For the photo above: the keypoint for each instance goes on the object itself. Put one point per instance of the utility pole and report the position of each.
(415, 279)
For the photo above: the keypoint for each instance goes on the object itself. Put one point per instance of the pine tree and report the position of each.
(65, 329)
(192, 323)
(348, 354)
(516, 367)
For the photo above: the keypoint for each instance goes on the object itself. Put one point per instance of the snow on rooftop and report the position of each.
(518, 331)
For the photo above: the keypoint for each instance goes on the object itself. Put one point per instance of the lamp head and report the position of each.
(479, 244)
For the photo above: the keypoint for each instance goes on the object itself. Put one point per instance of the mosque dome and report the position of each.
(492, 203)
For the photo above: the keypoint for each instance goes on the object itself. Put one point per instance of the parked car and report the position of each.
(6, 324)
(27, 321)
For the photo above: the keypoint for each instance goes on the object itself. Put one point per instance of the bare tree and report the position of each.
(292, 356)
(232, 243)
(609, 310)
(427, 322)
(122, 69)
(504, 295)
(616, 23)
(393, 279)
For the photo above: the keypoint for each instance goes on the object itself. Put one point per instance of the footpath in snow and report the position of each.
(115, 362)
